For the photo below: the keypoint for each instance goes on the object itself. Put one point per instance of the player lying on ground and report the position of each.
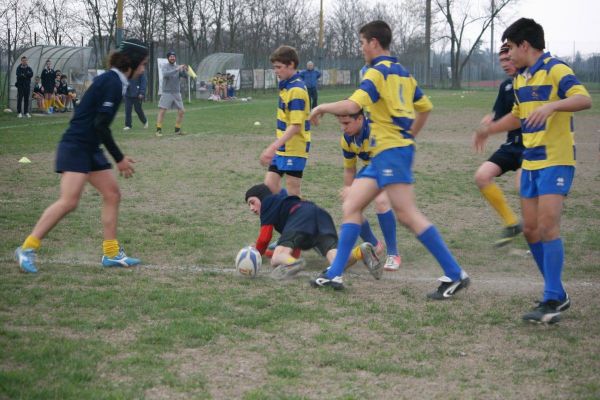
(302, 225)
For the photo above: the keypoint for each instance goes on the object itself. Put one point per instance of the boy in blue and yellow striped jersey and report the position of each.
(397, 111)
(289, 152)
(547, 93)
(355, 145)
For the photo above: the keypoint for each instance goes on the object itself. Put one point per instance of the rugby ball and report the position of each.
(248, 261)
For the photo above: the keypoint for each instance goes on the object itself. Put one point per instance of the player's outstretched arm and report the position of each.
(504, 124)
(267, 155)
(574, 103)
(343, 107)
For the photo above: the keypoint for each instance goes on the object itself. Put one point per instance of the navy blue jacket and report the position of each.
(137, 86)
(310, 77)
(24, 75)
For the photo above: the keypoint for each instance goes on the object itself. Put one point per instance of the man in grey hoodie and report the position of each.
(171, 93)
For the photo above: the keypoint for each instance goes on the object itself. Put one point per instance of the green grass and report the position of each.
(184, 325)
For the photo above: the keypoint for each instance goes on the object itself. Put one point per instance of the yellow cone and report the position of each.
(25, 160)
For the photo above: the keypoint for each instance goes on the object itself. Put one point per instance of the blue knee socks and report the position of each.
(387, 222)
(432, 240)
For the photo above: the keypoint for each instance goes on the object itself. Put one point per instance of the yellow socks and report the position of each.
(493, 194)
(31, 243)
(356, 253)
(110, 247)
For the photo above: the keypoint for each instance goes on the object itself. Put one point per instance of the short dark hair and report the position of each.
(525, 29)
(23, 57)
(378, 30)
(353, 115)
(503, 49)
(285, 55)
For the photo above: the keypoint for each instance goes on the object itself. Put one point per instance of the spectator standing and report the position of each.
(23, 84)
(171, 93)
(311, 76)
(135, 94)
(48, 76)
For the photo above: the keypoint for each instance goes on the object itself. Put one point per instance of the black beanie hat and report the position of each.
(135, 49)
(261, 191)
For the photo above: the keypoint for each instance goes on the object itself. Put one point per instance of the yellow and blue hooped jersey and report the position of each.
(548, 80)
(356, 146)
(293, 108)
(390, 96)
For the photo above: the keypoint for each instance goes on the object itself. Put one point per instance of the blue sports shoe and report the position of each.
(26, 259)
(120, 260)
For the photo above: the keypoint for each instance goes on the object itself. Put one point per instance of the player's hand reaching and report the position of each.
(125, 167)
(315, 116)
(480, 138)
(267, 156)
(538, 117)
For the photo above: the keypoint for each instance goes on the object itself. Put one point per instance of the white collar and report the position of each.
(123, 79)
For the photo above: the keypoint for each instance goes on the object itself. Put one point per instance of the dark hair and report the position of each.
(285, 55)
(354, 115)
(503, 49)
(131, 53)
(23, 57)
(525, 29)
(378, 30)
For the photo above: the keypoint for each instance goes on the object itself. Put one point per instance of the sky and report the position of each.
(568, 24)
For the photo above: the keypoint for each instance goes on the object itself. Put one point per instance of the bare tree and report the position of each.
(51, 15)
(234, 15)
(459, 15)
(101, 21)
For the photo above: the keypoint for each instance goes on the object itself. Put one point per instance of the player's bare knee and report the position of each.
(482, 179)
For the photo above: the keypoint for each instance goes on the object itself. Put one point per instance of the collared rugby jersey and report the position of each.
(548, 80)
(390, 95)
(356, 146)
(293, 108)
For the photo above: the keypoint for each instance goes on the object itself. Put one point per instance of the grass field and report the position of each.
(185, 325)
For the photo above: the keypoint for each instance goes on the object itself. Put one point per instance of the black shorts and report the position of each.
(300, 240)
(71, 157)
(295, 174)
(508, 157)
(48, 89)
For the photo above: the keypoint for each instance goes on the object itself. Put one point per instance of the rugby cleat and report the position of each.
(373, 263)
(546, 312)
(448, 287)
(392, 263)
(26, 259)
(121, 260)
(508, 234)
(285, 271)
(323, 281)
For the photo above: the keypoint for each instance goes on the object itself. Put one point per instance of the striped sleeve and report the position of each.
(297, 106)
(421, 102)
(567, 83)
(349, 155)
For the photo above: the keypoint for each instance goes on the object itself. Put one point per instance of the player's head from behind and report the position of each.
(352, 124)
(525, 39)
(375, 39)
(505, 62)
(255, 195)
(171, 57)
(285, 62)
(131, 58)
